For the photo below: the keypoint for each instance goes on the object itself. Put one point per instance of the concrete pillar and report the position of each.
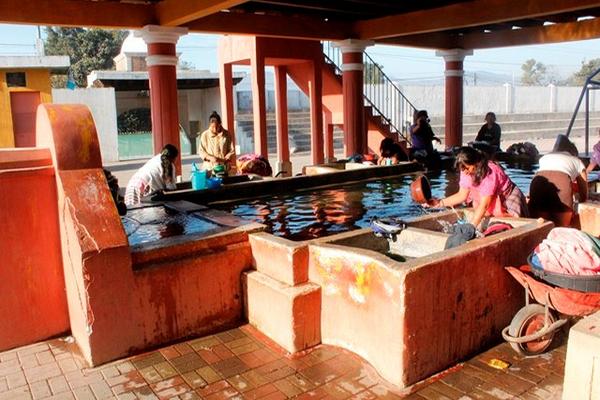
(553, 103)
(355, 133)
(226, 90)
(328, 129)
(582, 365)
(162, 71)
(281, 120)
(454, 94)
(259, 107)
(315, 89)
(509, 97)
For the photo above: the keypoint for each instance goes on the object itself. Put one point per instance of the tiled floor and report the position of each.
(241, 363)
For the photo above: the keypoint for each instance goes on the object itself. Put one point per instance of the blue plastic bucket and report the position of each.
(214, 183)
(198, 179)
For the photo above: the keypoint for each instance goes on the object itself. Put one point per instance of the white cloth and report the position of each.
(562, 162)
(147, 180)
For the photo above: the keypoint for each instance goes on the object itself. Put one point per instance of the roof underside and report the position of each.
(439, 24)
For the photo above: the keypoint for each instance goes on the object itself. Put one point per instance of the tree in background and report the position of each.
(587, 68)
(373, 73)
(89, 49)
(534, 73)
(134, 121)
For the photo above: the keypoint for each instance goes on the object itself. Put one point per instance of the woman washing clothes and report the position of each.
(391, 153)
(216, 147)
(551, 189)
(487, 185)
(157, 174)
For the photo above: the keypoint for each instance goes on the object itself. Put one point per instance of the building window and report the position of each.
(16, 79)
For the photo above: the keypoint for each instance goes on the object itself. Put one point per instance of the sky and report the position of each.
(405, 64)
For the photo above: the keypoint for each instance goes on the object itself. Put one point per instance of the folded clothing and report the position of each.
(569, 251)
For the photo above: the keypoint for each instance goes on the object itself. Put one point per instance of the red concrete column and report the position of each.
(162, 71)
(315, 91)
(454, 94)
(259, 107)
(355, 134)
(226, 90)
(328, 129)
(281, 120)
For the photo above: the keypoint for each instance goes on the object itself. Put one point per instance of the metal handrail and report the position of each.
(590, 83)
(380, 93)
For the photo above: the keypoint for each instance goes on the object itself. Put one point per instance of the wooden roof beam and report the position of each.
(466, 14)
(561, 32)
(435, 41)
(76, 13)
(180, 12)
(265, 25)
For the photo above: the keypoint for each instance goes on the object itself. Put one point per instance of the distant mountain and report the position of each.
(471, 78)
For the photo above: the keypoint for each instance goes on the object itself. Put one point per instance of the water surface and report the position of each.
(317, 213)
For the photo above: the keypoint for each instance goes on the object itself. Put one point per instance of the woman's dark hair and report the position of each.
(167, 155)
(386, 147)
(390, 148)
(564, 144)
(214, 117)
(468, 156)
(490, 114)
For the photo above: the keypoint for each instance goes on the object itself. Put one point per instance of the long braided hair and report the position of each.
(167, 155)
(468, 156)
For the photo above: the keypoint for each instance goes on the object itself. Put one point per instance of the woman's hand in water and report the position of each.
(432, 203)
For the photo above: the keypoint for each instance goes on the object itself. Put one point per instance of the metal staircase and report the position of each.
(381, 95)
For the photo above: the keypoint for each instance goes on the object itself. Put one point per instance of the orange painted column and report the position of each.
(162, 71)
(226, 90)
(454, 94)
(281, 120)
(259, 106)
(315, 91)
(355, 133)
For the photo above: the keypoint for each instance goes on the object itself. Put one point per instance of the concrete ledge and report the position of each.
(582, 368)
(279, 258)
(289, 315)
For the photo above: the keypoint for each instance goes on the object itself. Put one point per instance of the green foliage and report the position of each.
(134, 120)
(534, 73)
(88, 49)
(373, 73)
(587, 68)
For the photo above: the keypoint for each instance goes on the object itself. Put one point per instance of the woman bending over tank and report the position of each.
(485, 184)
(551, 189)
(157, 174)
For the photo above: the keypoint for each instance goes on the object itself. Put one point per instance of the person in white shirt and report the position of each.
(157, 174)
(551, 189)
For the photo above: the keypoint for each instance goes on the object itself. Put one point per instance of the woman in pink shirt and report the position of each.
(487, 185)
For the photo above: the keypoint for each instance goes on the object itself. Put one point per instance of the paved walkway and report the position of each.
(243, 364)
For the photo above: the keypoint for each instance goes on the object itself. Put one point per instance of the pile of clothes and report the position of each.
(524, 149)
(569, 251)
(254, 164)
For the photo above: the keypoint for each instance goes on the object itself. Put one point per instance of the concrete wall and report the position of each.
(504, 99)
(37, 80)
(201, 103)
(33, 304)
(101, 102)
